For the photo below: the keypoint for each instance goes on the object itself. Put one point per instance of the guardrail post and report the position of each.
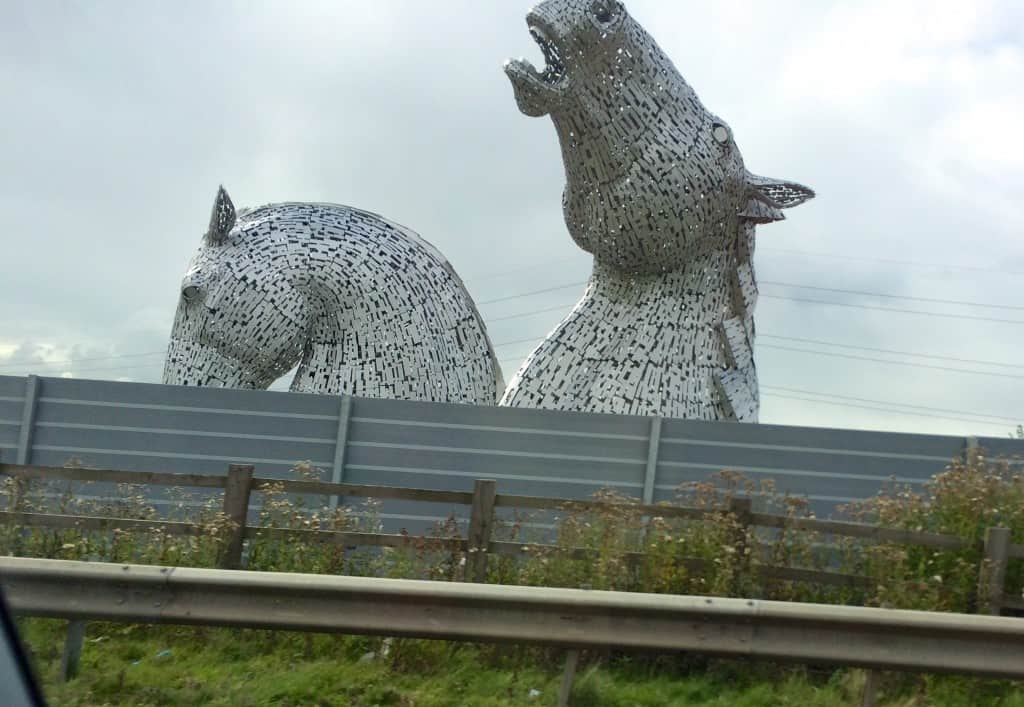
(481, 524)
(572, 661)
(73, 642)
(871, 680)
(992, 573)
(236, 510)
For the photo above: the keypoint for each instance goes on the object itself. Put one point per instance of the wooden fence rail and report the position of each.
(240, 482)
(479, 544)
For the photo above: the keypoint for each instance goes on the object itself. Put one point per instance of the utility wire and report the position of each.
(811, 301)
(891, 309)
(911, 364)
(831, 355)
(7, 365)
(519, 341)
(911, 263)
(524, 268)
(534, 292)
(20, 362)
(26, 362)
(152, 366)
(888, 351)
(888, 296)
(529, 314)
(888, 402)
(928, 411)
(563, 307)
(878, 409)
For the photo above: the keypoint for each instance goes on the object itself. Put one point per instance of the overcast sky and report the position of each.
(121, 118)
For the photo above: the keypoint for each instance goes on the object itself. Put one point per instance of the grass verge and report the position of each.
(186, 667)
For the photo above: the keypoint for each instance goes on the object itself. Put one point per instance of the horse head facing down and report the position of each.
(238, 325)
(364, 306)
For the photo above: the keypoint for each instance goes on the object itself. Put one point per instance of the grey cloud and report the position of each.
(128, 115)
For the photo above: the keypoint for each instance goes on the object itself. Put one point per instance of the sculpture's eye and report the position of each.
(604, 11)
(190, 293)
(721, 134)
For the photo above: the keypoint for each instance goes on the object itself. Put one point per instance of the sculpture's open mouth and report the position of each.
(555, 68)
(536, 90)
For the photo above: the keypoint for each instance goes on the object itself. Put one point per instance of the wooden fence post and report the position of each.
(236, 510)
(73, 643)
(992, 573)
(741, 508)
(481, 524)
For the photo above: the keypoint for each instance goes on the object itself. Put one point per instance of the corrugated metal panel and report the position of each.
(12, 402)
(12, 387)
(830, 466)
(241, 402)
(1003, 447)
(546, 421)
(435, 446)
(840, 440)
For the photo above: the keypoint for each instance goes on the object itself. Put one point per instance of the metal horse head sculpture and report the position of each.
(656, 189)
(363, 306)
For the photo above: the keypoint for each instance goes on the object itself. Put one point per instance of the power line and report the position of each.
(502, 273)
(888, 351)
(26, 362)
(1004, 376)
(813, 301)
(890, 309)
(812, 254)
(518, 341)
(878, 409)
(534, 292)
(888, 402)
(911, 263)
(928, 411)
(829, 354)
(832, 355)
(888, 296)
(529, 314)
(151, 366)
(12, 364)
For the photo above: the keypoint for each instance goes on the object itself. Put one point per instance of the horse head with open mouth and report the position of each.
(657, 191)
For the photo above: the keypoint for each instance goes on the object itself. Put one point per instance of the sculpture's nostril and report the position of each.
(190, 293)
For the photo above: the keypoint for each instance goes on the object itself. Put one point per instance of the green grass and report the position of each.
(132, 665)
(206, 666)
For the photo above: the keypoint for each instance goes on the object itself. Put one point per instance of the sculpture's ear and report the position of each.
(767, 197)
(222, 220)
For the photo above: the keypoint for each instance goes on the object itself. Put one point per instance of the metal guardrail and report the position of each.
(872, 638)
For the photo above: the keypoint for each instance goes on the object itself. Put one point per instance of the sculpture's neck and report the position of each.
(676, 344)
(381, 326)
(702, 291)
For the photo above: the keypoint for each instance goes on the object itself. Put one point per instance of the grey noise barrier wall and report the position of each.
(144, 427)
